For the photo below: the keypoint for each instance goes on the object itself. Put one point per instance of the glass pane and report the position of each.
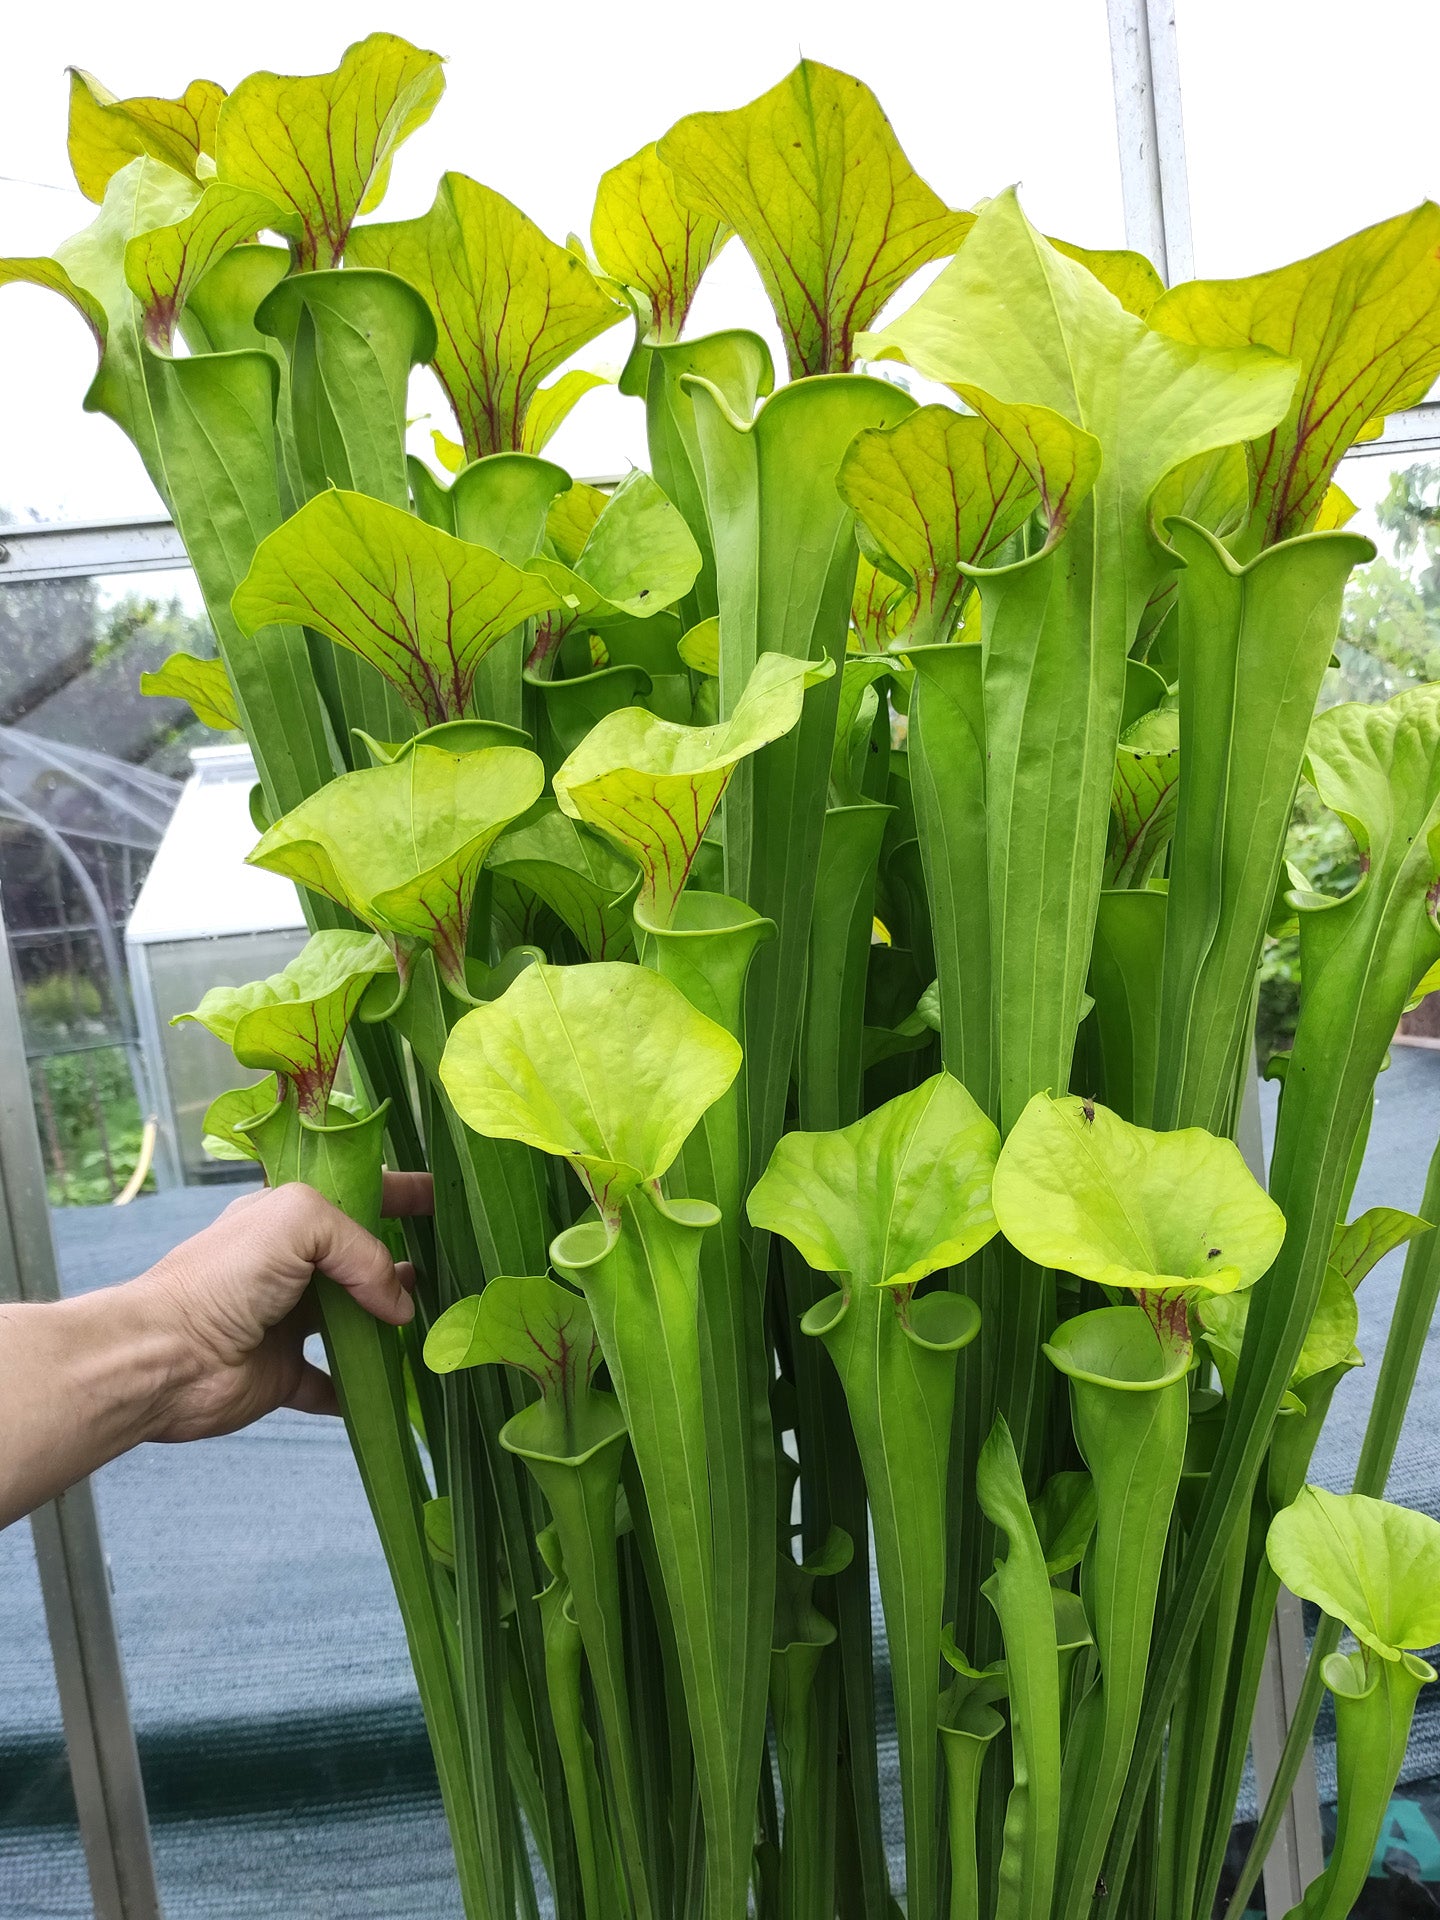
(90, 772)
(280, 1736)
(203, 919)
(196, 1065)
(284, 1755)
(1294, 138)
(1389, 640)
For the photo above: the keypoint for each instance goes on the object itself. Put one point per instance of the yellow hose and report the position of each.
(132, 1186)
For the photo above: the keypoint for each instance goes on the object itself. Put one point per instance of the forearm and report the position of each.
(81, 1381)
(208, 1340)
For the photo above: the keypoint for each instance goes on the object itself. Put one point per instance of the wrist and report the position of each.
(81, 1380)
(129, 1361)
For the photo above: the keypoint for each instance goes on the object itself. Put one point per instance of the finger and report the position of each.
(314, 1392)
(309, 1229)
(405, 1274)
(244, 1201)
(406, 1195)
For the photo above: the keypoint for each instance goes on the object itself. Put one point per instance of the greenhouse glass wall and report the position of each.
(207, 1708)
(78, 830)
(203, 919)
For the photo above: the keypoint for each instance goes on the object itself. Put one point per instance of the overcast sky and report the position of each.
(1304, 119)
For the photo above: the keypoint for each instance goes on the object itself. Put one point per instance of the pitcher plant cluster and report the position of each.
(804, 906)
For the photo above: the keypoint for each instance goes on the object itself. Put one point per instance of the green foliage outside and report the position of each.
(70, 663)
(137, 629)
(82, 1091)
(90, 1125)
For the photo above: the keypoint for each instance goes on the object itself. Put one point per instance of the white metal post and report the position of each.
(1145, 66)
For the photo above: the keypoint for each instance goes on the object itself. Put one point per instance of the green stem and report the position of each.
(947, 782)
(529, 1797)
(833, 1489)
(803, 1709)
(480, 1647)
(642, 1284)
(807, 1866)
(1374, 1705)
(1289, 1460)
(831, 1053)
(1194, 1783)
(1361, 956)
(707, 952)
(1131, 1421)
(1415, 1304)
(458, 1206)
(580, 1491)
(1124, 1024)
(666, 1761)
(785, 560)
(964, 1748)
(599, 1870)
(509, 1498)
(1019, 1590)
(343, 1163)
(1254, 645)
(896, 1358)
(830, 1079)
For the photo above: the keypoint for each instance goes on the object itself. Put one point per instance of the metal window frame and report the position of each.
(146, 543)
(1155, 188)
(69, 1552)
(1413, 430)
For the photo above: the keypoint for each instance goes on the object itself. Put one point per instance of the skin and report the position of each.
(206, 1341)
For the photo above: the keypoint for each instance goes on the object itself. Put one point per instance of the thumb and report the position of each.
(303, 1225)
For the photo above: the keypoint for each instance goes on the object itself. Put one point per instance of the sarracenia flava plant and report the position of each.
(804, 905)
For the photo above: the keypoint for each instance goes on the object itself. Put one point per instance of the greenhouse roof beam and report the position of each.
(147, 544)
(1413, 430)
(1150, 130)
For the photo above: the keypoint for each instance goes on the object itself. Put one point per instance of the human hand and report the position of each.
(233, 1305)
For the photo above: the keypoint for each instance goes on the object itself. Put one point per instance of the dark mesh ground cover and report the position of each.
(281, 1738)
